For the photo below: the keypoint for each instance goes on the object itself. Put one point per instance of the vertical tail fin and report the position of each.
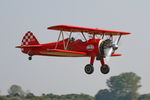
(29, 39)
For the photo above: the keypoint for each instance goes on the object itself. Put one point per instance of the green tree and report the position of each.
(144, 97)
(121, 87)
(3, 98)
(65, 97)
(16, 90)
(124, 86)
(15, 98)
(104, 95)
(30, 95)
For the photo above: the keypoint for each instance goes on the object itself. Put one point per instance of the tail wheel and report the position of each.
(105, 69)
(30, 58)
(89, 69)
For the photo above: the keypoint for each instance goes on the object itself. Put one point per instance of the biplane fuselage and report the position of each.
(98, 48)
(74, 49)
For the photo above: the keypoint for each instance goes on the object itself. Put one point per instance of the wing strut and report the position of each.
(61, 34)
(84, 36)
(119, 39)
(63, 40)
(58, 39)
(68, 40)
(103, 35)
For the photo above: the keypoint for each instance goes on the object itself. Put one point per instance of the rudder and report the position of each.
(29, 39)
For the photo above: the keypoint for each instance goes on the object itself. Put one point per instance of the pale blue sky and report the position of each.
(66, 75)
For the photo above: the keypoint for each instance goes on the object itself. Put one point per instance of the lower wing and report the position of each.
(64, 53)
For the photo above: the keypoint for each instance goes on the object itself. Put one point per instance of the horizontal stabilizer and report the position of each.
(28, 46)
(116, 54)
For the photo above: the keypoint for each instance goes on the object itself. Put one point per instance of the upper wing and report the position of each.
(88, 30)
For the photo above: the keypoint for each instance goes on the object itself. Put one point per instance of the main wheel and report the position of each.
(89, 69)
(105, 69)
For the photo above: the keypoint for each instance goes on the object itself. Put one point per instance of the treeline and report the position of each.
(120, 87)
(49, 97)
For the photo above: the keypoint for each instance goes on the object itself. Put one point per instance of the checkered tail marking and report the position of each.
(29, 39)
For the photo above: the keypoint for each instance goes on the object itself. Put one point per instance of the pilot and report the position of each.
(80, 40)
(72, 39)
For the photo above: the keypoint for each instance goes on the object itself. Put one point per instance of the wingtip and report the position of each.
(17, 46)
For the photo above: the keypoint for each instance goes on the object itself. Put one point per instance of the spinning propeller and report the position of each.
(108, 47)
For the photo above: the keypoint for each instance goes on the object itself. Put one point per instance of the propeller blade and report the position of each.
(108, 51)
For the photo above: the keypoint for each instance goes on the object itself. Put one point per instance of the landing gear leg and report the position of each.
(104, 68)
(89, 69)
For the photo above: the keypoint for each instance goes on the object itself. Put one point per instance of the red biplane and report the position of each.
(100, 45)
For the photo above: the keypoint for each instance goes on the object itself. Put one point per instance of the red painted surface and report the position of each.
(76, 47)
(84, 29)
